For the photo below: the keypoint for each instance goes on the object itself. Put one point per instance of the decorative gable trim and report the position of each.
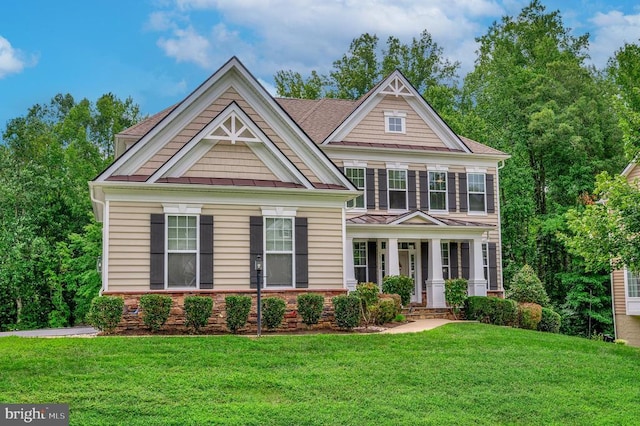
(234, 125)
(396, 87)
(418, 214)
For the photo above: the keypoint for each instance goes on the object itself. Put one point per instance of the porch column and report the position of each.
(435, 281)
(477, 285)
(393, 261)
(350, 271)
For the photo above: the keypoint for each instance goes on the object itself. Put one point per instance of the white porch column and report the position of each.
(477, 285)
(435, 282)
(350, 272)
(393, 261)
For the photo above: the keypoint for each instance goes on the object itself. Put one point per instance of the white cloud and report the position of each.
(187, 45)
(12, 60)
(613, 30)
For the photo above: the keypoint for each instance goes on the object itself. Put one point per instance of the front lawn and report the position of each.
(462, 373)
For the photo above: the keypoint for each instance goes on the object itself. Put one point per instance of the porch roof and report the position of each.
(409, 218)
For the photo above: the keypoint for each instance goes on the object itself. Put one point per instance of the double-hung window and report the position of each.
(477, 192)
(279, 251)
(444, 253)
(632, 284)
(360, 260)
(397, 189)
(182, 251)
(438, 191)
(357, 176)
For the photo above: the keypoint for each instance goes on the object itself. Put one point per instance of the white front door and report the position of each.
(408, 266)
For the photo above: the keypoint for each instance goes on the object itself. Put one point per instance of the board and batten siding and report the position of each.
(372, 127)
(129, 232)
(204, 118)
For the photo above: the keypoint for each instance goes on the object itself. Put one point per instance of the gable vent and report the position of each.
(232, 129)
(397, 88)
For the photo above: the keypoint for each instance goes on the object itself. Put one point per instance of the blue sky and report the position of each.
(157, 51)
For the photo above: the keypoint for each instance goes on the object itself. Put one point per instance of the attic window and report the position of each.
(394, 121)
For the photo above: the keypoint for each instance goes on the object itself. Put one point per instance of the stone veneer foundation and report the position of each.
(132, 318)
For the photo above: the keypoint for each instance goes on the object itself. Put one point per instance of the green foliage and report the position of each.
(455, 294)
(347, 311)
(400, 318)
(155, 310)
(492, 310)
(368, 294)
(238, 308)
(386, 311)
(587, 307)
(529, 315)
(526, 287)
(550, 321)
(197, 310)
(399, 284)
(105, 313)
(310, 307)
(273, 309)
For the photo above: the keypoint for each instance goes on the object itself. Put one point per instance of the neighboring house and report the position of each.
(625, 289)
(329, 192)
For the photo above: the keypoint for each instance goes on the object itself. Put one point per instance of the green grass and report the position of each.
(461, 373)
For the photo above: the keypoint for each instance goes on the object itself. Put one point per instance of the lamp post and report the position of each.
(258, 268)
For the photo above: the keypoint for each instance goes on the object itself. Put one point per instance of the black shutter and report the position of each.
(382, 188)
(302, 253)
(464, 251)
(255, 248)
(371, 188)
(453, 260)
(490, 194)
(493, 267)
(424, 190)
(462, 182)
(156, 276)
(372, 261)
(424, 260)
(451, 190)
(206, 252)
(411, 184)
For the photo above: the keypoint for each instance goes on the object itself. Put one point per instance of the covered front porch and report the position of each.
(429, 251)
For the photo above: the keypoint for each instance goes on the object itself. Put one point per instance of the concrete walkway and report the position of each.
(53, 332)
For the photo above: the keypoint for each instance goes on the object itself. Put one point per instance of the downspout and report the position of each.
(104, 240)
(613, 307)
(498, 168)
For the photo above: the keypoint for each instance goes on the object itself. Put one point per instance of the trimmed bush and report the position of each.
(310, 306)
(197, 310)
(386, 311)
(369, 309)
(529, 315)
(273, 309)
(550, 321)
(155, 310)
(399, 284)
(526, 287)
(237, 308)
(506, 312)
(491, 310)
(347, 311)
(105, 313)
(455, 293)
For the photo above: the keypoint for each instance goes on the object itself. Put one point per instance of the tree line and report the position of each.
(531, 94)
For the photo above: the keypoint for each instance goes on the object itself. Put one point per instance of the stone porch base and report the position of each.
(132, 318)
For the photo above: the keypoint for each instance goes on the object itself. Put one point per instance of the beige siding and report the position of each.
(628, 328)
(209, 114)
(372, 127)
(227, 160)
(129, 257)
(635, 173)
(619, 297)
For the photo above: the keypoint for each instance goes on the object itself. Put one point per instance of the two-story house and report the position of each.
(328, 192)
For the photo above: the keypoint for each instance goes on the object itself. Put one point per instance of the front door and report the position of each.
(407, 265)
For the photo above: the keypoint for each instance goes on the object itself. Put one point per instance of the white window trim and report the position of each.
(446, 192)
(354, 164)
(167, 251)
(485, 263)
(632, 304)
(476, 212)
(182, 209)
(292, 252)
(279, 211)
(437, 168)
(364, 189)
(366, 259)
(448, 265)
(395, 114)
(406, 189)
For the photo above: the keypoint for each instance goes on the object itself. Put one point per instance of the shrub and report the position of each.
(310, 306)
(347, 310)
(506, 312)
(550, 321)
(491, 310)
(526, 287)
(105, 313)
(455, 293)
(400, 318)
(155, 310)
(386, 311)
(273, 309)
(399, 284)
(397, 300)
(529, 315)
(197, 310)
(238, 308)
(369, 309)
